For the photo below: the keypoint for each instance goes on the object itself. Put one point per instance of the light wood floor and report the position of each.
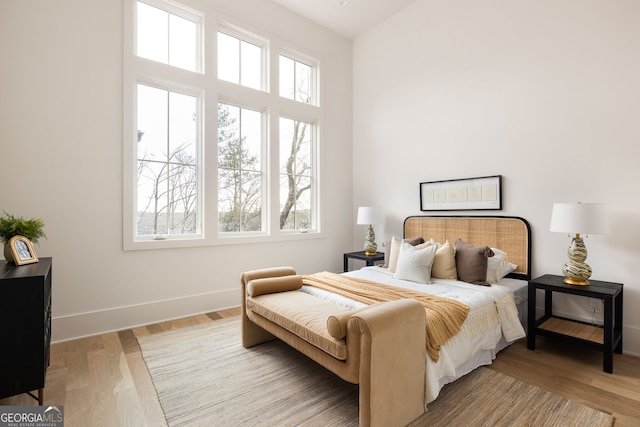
(103, 381)
(576, 373)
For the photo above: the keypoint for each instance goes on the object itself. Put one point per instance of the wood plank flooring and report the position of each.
(103, 380)
(576, 373)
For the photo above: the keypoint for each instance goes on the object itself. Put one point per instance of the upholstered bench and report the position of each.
(380, 347)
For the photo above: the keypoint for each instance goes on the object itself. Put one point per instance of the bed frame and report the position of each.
(510, 234)
(392, 383)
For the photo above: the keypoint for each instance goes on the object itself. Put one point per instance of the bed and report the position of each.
(297, 311)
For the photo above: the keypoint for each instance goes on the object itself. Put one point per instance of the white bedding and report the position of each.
(492, 324)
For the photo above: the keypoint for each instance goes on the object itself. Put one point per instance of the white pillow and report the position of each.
(498, 266)
(510, 268)
(414, 262)
(394, 252)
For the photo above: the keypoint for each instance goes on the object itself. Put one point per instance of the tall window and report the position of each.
(215, 156)
(167, 169)
(298, 191)
(167, 124)
(240, 177)
(296, 175)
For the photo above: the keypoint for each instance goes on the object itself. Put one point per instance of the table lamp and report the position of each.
(369, 215)
(578, 218)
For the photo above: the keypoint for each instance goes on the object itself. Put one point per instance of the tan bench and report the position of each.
(380, 347)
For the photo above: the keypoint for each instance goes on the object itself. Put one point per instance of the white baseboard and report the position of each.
(74, 326)
(631, 341)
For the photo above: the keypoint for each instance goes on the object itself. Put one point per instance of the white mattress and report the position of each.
(494, 321)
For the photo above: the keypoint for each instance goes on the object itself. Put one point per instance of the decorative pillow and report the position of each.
(337, 324)
(387, 252)
(414, 262)
(392, 249)
(270, 285)
(496, 265)
(471, 262)
(499, 266)
(509, 268)
(444, 265)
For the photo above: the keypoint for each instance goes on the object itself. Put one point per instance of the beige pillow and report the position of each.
(337, 324)
(444, 265)
(394, 251)
(271, 285)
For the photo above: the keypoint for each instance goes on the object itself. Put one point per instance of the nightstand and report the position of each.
(369, 259)
(606, 338)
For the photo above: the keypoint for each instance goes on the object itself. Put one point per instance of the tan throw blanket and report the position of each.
(444, 316)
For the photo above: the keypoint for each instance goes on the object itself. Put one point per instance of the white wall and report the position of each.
(544, 93)
(61, 159)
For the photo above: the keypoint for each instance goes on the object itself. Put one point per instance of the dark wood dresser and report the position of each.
(25, 327)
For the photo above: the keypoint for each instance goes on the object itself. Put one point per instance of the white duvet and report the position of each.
(492, 323)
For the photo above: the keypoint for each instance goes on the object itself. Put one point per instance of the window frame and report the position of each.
(264, 183)
(198, 94)
(314, 164)
(314, 65)
(182, 11)
(248, 37)
(212, 91)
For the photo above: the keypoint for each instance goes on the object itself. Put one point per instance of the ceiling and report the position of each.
(349, 18)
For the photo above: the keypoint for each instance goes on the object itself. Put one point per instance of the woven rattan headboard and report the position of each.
(510, 234)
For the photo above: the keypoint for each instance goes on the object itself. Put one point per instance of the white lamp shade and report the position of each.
(579, 218)
(370, 215)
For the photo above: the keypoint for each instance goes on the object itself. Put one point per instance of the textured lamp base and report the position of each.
(370, 247)
(576, 272)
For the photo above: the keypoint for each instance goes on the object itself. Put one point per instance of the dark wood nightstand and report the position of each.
(606, 338)
(369, 259)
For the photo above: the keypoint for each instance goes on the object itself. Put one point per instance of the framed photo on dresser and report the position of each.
(22, 251)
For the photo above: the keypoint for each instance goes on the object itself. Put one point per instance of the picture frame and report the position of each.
(22, 250)
(481, 193)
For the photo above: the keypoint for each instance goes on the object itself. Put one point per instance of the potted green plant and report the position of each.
(10, 226)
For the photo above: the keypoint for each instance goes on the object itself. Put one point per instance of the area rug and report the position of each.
(203, 376)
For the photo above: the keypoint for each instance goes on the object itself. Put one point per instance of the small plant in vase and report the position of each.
(11, 226)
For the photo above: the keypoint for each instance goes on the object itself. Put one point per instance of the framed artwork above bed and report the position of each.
(481, 193)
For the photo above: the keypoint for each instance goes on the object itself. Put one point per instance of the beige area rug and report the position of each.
(204, 377)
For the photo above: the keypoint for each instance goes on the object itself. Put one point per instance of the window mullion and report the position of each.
(168, 161)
